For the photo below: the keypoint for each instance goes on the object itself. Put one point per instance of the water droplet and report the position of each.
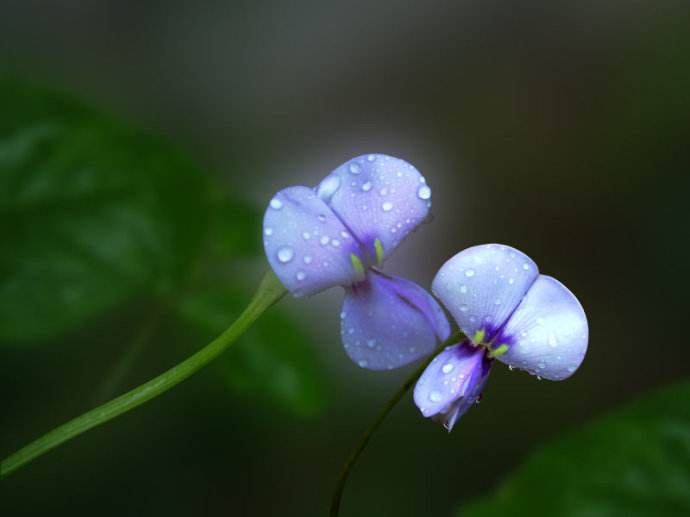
(371, 343)
(447, 368)
(553, 341)
(324, 240)
(510, 367)
(351, 330)
(511, 281)
(276, 204)
(345, 235)
(469, 273)
(424, 192)
(363, 363)
(497, 302)
(307, 259)
(268, 231)
(366, 187)
(321, 218)
(343, 315)
(538, 378)
(464, 308)
(371, 158)
(525, 266)
(335, 242)
(463, 289)
(541, 366)
(355, 168)
(301, 275)
(328, 187)
(306, 236)
(387, 206)
(571, 369)
(285, 254)
(383, 191)
(435, 396)
(422, 179)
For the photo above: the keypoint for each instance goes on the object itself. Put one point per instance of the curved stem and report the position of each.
(269, 292)
(399, 394)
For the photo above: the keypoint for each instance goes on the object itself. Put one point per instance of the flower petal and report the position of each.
(452, 382)
(379, 198)
(547, 335)
(481, 286)
(307, 246)
(388, 322)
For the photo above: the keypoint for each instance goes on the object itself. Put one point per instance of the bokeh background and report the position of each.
(558, 127)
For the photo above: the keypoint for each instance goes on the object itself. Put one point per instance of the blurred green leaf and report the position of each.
(90, 213)
(235, 228)
(271, 362)
(634, 462)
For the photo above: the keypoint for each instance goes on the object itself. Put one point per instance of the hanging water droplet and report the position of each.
(447, 368)
(510, 367)
(469, 273)
(571, 369)
(363, 363)
(424, 192)
(387, 206)
(285, 254)
(276, 204)
(435, 396)
(422, 179)
(366, 187)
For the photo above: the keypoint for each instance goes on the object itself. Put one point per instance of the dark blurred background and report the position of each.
(560, 128)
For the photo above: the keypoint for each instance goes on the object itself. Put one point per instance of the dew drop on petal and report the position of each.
(355, 168)
(371, 158)
(321, 218)
(285, 254)
(276, 204)
(387, 206)
(464, 308)
(463, 289)
(306, 236)
(335, 242)
(366, 187)
(301, 275)
(324, 240)
(447, 368)
(371, 343)
(363, 363)
(424, 192)
(268, 231)
(307, 259)
(435, 396)
(469, 273)
(553, 341)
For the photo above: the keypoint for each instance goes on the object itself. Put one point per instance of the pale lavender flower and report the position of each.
(509, 312)
(339, 233)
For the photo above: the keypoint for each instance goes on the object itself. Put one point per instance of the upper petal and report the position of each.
(378, 197)
(307, 246)
(547, 335)
(481, 286)
(452, 383)
(388, 322)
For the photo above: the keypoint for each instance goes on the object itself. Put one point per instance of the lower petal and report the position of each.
(452, 383)
(388, 322)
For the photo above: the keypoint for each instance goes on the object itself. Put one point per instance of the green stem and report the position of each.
(364, 440)
(269, 292)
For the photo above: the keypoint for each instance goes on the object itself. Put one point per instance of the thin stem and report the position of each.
(269, 292)
(364, 440)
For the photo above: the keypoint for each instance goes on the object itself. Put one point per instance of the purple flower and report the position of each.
(339, 234)
(510, 313)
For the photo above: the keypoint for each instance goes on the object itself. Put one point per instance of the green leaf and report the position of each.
(634, 462)
(271, 362)
(91, 213)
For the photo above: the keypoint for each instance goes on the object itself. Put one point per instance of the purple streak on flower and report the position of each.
(387, 322)
(452, 383)
(336, 233)
(511, 313)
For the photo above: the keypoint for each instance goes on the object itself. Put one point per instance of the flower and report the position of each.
(509, 312)
(339, 234)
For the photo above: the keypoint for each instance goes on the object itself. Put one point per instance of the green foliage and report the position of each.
(94, 214)
(91, 213)
(634, 462)
(271, 362)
